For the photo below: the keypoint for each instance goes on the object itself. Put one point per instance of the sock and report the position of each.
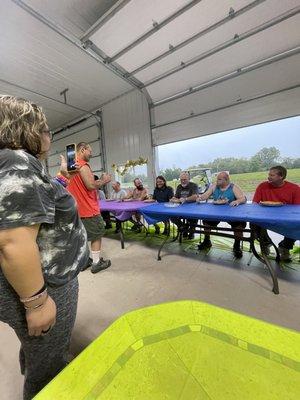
(95, 256)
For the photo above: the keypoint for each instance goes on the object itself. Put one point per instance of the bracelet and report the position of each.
(41, 290)
(36, 306)
(62, 180)
(35, 297)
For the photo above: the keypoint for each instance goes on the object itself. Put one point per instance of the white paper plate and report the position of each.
(172, 205)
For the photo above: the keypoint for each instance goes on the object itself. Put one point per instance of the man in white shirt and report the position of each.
(117, 193)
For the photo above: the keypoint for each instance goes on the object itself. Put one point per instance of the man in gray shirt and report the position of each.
(186, 192)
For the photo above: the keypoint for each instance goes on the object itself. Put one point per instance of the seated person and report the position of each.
(117, 192)
(162, 194)
(139, 193)
(186, 191)
(104, 214)
(276, 188)
(230, 193)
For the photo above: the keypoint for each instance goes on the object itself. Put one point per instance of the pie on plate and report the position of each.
(271, 203)
(220, 201)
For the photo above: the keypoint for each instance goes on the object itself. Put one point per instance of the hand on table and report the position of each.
(234, 203)
(175, 200)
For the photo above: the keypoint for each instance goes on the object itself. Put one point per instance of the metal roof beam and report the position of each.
(156, 27)
(205, 31)
(236, 39)
(231, 75)
(104, 18)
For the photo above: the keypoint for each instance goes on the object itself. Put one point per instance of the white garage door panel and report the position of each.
(282, 105)
(280, 38)
(239, 25)
(243, 87)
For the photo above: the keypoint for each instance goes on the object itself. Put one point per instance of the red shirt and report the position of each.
(288, 193)
(87, 200)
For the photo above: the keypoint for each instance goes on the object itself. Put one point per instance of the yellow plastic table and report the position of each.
(184, 350)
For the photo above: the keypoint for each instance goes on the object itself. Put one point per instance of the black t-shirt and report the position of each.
(163, 195)
(29, 196)
(187, 191)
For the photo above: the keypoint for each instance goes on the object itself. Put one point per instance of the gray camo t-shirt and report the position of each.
(29, 196)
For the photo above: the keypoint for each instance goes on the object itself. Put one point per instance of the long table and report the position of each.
(284, 220)
(122, 211)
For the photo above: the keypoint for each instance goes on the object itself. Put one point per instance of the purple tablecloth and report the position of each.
(122, 210)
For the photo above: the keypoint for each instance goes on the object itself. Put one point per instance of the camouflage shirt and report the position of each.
(29, 196)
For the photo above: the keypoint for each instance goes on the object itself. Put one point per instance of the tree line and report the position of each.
(261, 161)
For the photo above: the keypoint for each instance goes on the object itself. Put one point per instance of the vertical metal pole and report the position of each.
(154, 164)
(102, 140)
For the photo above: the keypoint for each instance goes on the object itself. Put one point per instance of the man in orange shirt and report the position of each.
(276, 188)
(84, 189)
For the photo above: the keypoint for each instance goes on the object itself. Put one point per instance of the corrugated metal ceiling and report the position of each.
(170, 49)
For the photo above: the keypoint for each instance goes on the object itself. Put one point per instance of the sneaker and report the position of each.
(205, 245)
(284, 254)
(237, 249)
(100, 266)
(88, 264)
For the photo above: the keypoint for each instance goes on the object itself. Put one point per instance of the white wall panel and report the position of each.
(282, 105)
(127, 130)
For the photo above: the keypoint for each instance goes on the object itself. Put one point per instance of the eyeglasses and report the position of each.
(48, 133)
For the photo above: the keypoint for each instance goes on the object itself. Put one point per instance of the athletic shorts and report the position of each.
(94, 226)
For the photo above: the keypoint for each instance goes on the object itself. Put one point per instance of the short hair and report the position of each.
(162, 178)
(82, 145)
(135, 179)
(224, 173)
(21, 125)
(281, 171)
(185, 173)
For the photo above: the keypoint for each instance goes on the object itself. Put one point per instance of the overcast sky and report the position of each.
(245, 142)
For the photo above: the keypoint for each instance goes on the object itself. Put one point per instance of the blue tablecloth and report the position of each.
(284, 220)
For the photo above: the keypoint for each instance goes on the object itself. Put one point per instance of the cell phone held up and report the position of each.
(71, 157)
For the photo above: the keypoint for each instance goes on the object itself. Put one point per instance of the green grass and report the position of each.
(249, 181)
(190, 246)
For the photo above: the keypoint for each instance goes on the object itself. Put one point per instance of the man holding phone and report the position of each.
(84, 189)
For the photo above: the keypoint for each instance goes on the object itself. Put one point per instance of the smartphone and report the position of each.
(71, 156)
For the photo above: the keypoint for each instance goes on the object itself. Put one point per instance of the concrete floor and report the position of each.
(136, 279)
